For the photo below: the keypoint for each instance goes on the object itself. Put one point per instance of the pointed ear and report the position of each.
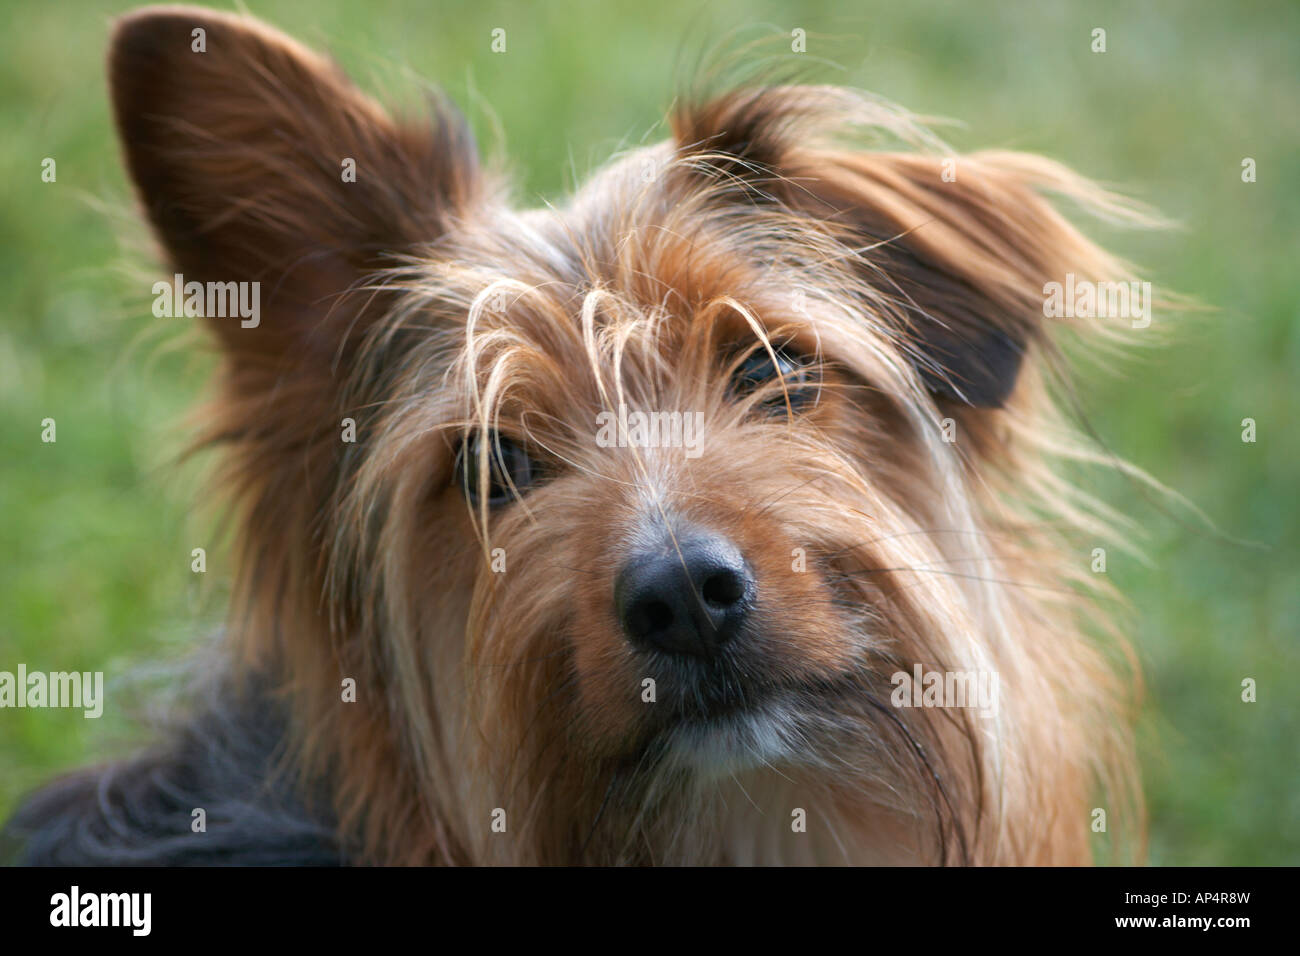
(962, 257)
(237, 139)
(961, 248)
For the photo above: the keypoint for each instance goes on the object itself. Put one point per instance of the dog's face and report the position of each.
(703, 470)
(653, 490)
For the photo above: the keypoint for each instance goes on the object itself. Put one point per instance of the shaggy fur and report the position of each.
(419, 303)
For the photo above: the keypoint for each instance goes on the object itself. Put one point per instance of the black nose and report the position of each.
(690, 597)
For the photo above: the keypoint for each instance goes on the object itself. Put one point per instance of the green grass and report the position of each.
(96, 529)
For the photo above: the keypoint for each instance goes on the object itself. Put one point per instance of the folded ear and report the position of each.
(960, 248)
(258, 161)
(964, 258)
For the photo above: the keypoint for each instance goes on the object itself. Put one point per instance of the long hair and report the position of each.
(449, 680)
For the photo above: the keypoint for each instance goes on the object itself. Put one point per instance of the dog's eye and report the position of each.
(510, 470)
(758, 370)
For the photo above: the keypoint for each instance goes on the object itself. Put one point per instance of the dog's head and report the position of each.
(618, 510)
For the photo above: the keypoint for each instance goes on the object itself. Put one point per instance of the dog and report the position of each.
(713, 517)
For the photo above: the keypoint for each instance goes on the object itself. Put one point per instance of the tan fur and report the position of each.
(480, 690)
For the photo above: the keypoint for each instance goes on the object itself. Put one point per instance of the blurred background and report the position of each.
(96, 530)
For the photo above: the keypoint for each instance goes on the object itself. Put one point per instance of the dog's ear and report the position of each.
(960, 257)
(960, 248)
(258, 161)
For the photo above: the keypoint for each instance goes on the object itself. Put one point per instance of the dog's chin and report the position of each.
(709, 746)
(773, 725)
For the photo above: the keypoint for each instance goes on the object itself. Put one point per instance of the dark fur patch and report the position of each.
(139, 812)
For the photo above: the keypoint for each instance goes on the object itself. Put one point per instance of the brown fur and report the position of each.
(516, 690)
